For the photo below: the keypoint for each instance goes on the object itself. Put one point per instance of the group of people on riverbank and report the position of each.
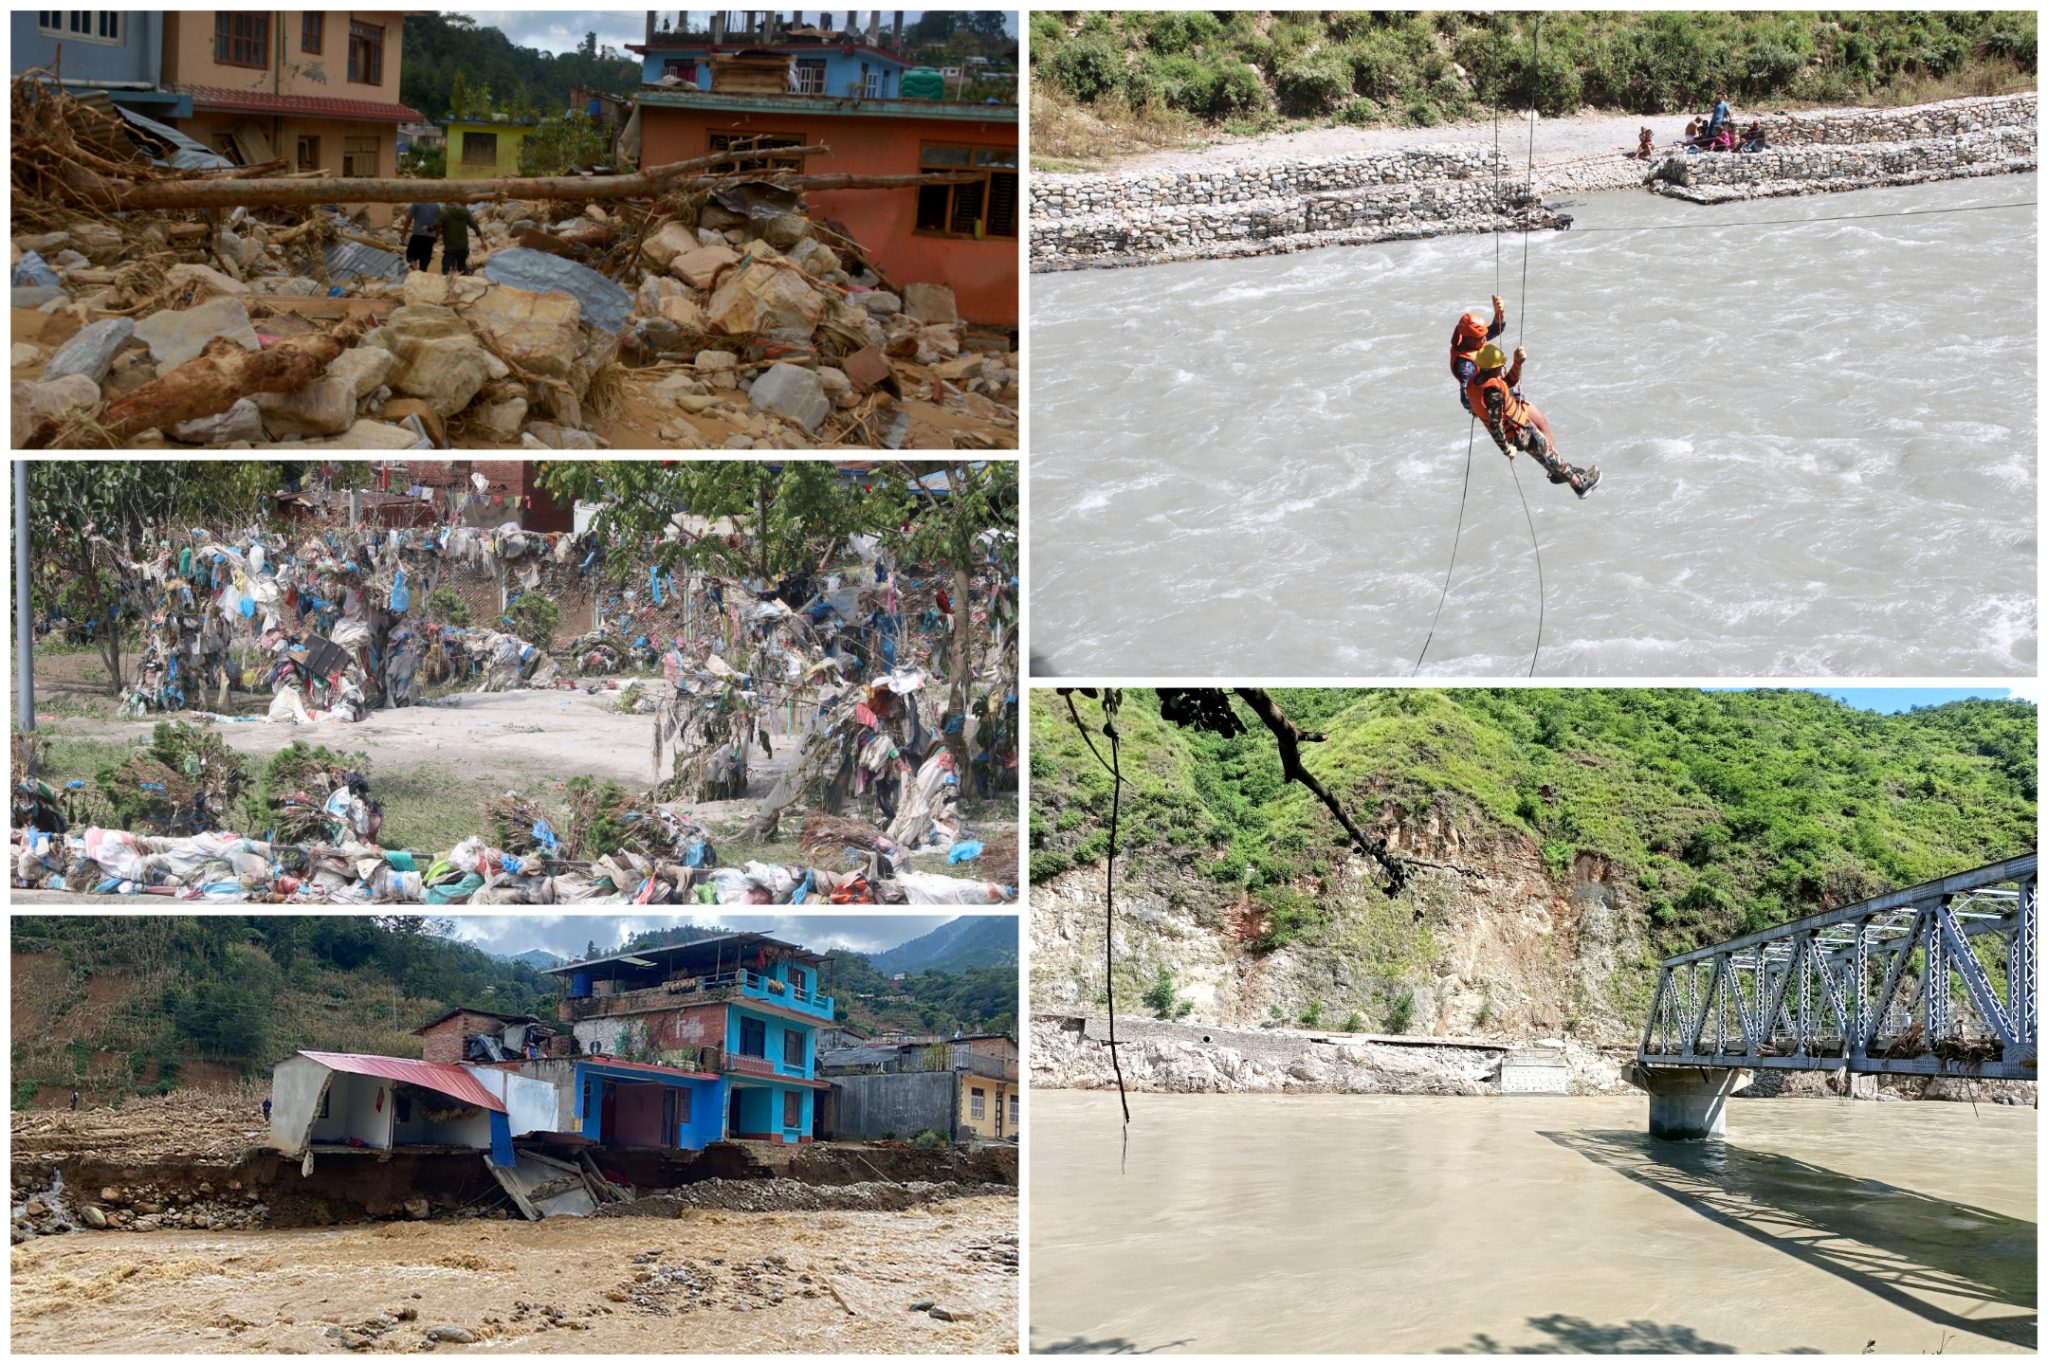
(1710, 132)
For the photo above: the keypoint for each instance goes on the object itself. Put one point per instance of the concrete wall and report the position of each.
(438, 1120)
(189, 56)
(532, 1104)
(511, 137)
(670, 1036)
(357, 1107)
(899, 1105)
(295, 1086)
(136, 57)
(761, 1111)
(983, 275)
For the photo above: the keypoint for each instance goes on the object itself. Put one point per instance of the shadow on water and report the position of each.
(1104, 1346)
(1575, 1336)
(1902, 1246)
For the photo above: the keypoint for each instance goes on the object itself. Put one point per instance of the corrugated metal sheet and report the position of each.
(444, 1078)
(353, 258)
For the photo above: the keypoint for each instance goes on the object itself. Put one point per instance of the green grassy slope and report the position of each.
(1726, 811)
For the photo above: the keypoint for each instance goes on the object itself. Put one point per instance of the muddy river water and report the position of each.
(1818, 444)
(1510, 1224)
(706, 1281)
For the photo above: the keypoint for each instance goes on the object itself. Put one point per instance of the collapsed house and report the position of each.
(658, 1050)
(168, 301)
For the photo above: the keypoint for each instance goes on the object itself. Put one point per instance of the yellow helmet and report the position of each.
(1490, 357)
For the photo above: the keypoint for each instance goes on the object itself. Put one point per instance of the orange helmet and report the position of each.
(1471, 327)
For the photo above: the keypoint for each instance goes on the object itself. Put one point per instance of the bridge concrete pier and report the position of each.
(1688, 1102)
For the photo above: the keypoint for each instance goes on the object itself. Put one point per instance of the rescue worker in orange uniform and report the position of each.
(1467, 337)
(1515, 423)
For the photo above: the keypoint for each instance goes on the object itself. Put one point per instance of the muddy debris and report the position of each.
(658, 319)
(784, 1196)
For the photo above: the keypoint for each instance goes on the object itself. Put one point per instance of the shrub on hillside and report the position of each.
(1047, 33)
(1314, 83)
(1088, 66)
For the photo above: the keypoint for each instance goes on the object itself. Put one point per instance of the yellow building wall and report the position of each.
(994, 1123)
(509, 141)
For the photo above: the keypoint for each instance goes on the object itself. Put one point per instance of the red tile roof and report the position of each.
(311, 106)
(445, 1078)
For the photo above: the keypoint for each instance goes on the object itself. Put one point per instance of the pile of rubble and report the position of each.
(704, 311)
(139, 1208)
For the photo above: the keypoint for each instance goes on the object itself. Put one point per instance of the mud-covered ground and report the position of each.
(699, 1281)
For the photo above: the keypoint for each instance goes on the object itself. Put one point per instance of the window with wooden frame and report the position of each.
(308, 158)
(479, 149)
(808, 76)
(682, 68)
(241, 38)
(312, 31)
(792, 1109)
(792, 1049)
(365, 53)
(977, 1103)
(88, 25)
(753, 1038)
(763, 142)
(983, 208)
(1013, 1111)
(359, 156)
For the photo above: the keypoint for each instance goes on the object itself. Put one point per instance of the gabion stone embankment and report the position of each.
(1262, 209)
(1822, 168)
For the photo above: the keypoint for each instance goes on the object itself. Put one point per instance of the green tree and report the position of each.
(89, 519)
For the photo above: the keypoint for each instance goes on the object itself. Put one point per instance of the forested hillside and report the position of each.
(1673, 818)
(1167, 73)
(139, 1003)
(439, 48)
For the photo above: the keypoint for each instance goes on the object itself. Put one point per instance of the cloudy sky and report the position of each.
(561, 30)
(566, 935)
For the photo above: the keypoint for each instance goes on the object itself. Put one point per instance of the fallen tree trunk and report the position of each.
(221, 374)
(118, 194)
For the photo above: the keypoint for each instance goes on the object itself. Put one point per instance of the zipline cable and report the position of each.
(1798, 222)
(1471, 431)
(1521, 323)
(1471, 427)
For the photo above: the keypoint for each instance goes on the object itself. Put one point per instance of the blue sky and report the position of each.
(1891, 699)
(566, 935)
(562, 30)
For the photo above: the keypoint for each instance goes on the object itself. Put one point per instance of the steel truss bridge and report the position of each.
(1898, 983)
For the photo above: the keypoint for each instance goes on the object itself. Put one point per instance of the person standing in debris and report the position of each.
(74, 1099)
(456, 224)
(266, 1108)
(419, 248)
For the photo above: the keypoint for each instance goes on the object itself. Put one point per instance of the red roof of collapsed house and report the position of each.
(313, 106)
(444, 1078)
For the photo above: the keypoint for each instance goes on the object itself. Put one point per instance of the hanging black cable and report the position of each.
(1471, 431)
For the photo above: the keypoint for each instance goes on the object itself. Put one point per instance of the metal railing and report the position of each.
(1898, 983)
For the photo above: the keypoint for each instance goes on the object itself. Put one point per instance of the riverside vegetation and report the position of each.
(1105, 83)
(1559, 843)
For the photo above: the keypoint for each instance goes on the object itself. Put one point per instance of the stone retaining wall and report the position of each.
(1815, 168)
(1258, 209)
(1946, 119)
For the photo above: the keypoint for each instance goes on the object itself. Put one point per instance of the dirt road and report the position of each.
(705, 1281)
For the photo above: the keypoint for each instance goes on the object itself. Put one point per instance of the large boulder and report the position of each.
(792, 393)
(605, 305)
(324, 407)
(209, 280)
(685, 313)
(930, 303)
(760, 297)
(444, 290)
(366, 368)
(439, 361)
(177, 335)
(91, 351)
(673, 240)
(696, 268)
(537, 332)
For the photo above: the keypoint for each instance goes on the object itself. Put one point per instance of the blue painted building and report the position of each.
(120, 52)
(837, 69)
(695, 1043)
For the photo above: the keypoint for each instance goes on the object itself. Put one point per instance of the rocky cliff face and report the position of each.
(1486, 939)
